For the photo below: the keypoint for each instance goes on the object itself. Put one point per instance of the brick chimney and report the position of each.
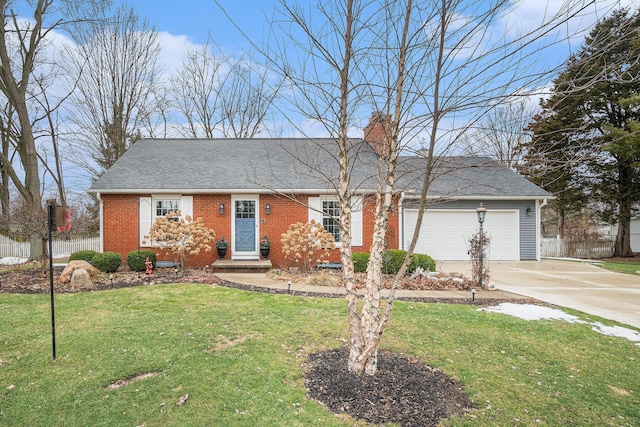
(377, 133)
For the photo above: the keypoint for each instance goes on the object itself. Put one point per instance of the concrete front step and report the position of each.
(241, 266)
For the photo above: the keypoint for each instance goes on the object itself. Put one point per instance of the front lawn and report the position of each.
(234, 358)
(632, 266)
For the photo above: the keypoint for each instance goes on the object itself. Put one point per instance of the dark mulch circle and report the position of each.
(403, 391)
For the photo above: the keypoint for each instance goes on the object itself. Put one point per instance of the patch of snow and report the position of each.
(535, 312)
(61, 255)
(12, 260)
(617, 331)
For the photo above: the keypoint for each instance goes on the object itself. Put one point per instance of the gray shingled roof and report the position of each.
(290, 165)
(458, 177)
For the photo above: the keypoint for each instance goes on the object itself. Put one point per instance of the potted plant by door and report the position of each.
(221, 246)
(265, 246)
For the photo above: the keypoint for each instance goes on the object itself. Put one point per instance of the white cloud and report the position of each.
(173, 51)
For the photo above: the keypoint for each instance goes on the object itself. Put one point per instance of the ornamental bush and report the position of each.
(392, 261)
(307, 243)
(107, 262)
(360, 261)
(425, 262)
(136, 262)
(83, 255)
(181, 237)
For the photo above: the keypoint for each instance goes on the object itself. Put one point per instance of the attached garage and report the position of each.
(445, 233)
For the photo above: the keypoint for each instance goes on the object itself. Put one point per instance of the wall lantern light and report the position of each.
(529, 211)
(267, 208)
(221, 208)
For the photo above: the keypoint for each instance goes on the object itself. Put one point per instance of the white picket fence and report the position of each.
(61, 248)
(554, 247)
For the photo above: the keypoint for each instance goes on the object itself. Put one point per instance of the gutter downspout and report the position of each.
(101, 215)
(539, 207)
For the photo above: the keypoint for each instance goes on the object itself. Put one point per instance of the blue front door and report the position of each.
(245, 225)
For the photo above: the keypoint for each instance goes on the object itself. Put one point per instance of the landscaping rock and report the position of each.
(80, 279)
(65, 277)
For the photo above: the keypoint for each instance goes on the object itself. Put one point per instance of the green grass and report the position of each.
(238, 356)
(623, 267)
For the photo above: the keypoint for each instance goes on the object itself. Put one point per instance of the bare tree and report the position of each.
(7, 136)
(502, 132)
(221, 95)
(22, 43)
(195, 91)
(246, 98)
(115, 65)
(418, 65)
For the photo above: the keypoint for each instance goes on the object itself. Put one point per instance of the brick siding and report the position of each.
(120, 222)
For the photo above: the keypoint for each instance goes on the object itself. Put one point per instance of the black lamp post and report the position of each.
(481, 211)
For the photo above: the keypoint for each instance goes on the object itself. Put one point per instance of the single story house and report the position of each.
(247, 188)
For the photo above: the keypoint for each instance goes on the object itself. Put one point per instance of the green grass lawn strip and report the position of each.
(621, 267)
(238, 355)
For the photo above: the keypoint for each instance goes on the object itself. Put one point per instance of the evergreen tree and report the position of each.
(585, 142)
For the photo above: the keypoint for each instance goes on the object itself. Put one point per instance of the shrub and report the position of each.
(307, 243)
(425, 262)
(107, 262)
(136, 263)
(360, 261)
(181, 237)
(392, 260)
(83, 255)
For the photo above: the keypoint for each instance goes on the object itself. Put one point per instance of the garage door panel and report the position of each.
(445, 234)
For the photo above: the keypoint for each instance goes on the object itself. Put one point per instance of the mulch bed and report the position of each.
(403, 391)
(36, 281)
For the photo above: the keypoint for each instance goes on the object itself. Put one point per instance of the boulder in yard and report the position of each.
(65, 277)
(80, 279)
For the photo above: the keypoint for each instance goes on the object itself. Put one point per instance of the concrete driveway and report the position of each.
(571, 284)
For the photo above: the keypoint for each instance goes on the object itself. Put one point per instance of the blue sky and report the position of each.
(198, 18)
(181, 25)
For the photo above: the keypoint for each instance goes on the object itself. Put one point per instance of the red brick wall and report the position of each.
(120, 219)
(120, 223)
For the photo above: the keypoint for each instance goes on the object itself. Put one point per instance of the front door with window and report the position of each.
(245, 243)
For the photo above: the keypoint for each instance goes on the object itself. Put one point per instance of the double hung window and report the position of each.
(166, 206)
(331, 218)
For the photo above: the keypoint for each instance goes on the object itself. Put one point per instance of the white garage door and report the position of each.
(445, 234)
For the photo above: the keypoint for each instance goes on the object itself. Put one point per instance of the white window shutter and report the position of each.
(145, 213)
(315, 209)
(356, 221)
(186, 206)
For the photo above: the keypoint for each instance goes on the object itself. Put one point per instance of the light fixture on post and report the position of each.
(482, 212)
(267, 209)
(221, 210)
